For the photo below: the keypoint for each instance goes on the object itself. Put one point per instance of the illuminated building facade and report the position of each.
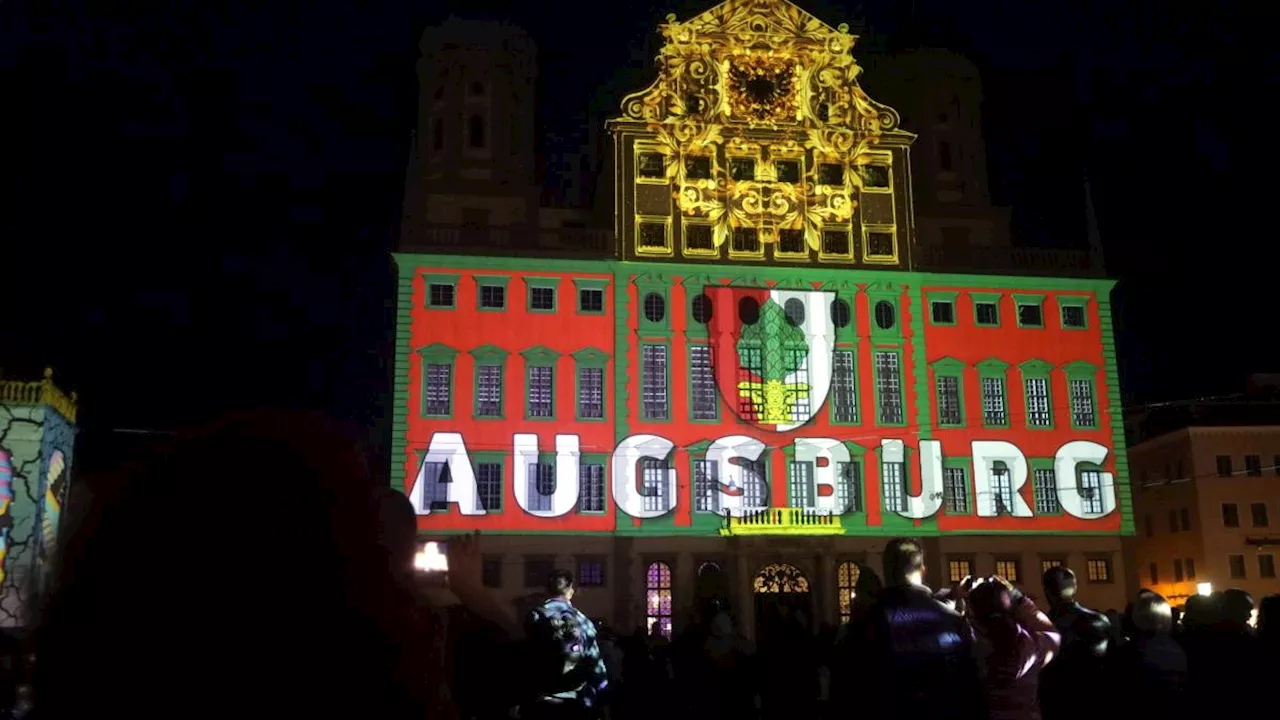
(754, 380)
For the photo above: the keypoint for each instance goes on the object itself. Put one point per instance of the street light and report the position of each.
(431, 557)
(1204, 588)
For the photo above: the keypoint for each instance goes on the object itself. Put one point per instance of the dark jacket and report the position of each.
(1081, 661)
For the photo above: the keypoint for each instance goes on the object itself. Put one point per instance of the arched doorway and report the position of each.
(782, 598)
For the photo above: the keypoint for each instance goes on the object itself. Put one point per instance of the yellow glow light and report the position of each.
(431, 558)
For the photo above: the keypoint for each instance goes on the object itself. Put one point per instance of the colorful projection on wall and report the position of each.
(55, 488)
(6, 500)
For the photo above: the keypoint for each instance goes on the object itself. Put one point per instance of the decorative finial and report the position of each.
(671, 17)
(843, 27)
(48, 373)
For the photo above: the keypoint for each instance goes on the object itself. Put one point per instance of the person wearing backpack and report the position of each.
(569, 673)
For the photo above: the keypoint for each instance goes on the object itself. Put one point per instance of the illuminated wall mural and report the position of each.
(37, 439)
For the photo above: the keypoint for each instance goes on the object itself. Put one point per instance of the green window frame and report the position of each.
(949, 367)
(994, 373)
(429, 279)
(1073, 301)
(669, 404)
(936, 297)
(951, 505)
(491, 457)
(483, 357)
(879, 396)
(593, 359)
(689, 377)
(647, 285)
(858, 500)
(892, 294)
(600, 285)
(1022, 299)
(1082, 374)
(492, 281)
(980, 298)
(1037, 370)
(907, 458)
(437, 355)
(1044, 500)
(846, 292)
(852, 349)
(539, 357)
(587, 460)
(542, 283)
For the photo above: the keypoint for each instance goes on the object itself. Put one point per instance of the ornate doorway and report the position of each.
(782, 600)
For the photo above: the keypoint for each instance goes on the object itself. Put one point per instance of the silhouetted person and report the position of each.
(242, 573)
(724, 682)
(1086, 639)
(1225, 664)
(1014, 643)
(569, 673)
(913, 654)
(1149, 673)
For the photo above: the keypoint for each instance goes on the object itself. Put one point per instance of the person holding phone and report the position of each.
(1014, 641)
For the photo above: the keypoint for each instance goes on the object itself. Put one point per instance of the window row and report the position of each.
(1097, 570)
(658, 167)
(590, 570)
(1029, 310)
(836, 242)
(959, 496)
(490, 377)
(1038, 402)
(1236, 567)
(542, 294)
(1257, 515)
(1184, 569)
(1179, 521)
(1253, 466)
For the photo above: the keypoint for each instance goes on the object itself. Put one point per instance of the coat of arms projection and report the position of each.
(778, 90)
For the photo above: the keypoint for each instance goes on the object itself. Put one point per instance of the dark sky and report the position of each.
(196, 203)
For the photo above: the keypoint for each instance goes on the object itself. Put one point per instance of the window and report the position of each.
(440, 295)
(1002, 488)
(1252, 465)
(1030, 311)
(703, 404)
(491, 571)
(995, 411)
(849, 486)
(542, 484)
(791, 242)
(542, 299)
(948, 389)
(750, 370)
(1090, 483)
(658, 601)
(1154, 573)
(847, 582)
(489, 391)
(745, 240)
(591, 393)
(1258, 511)
(655, 308)
(653, 236)
(1173, 521)
(1150, 522)
(590, 300)
(438, 390)
(475, 131)
(830, 174)
(875, 177)
(702, 309)
(1048, 564)
(540, 396)
(844, 388)
(943, 312)
(742, 169)
(1099, 570)
(888, 388)
(836, 242)
(986, 309)
(893, 476)
(1007, 568)
(651, 166)
(1039, 412)
(1235, 567)
(1177, 570)
(880, 244)
(1266, 565)
(1185, 517)
(590, 572)
(489, 486)
(886, 315)
(958, 570)
(653, 381)
(537, 570)
(802, 488)
(591, 487)
(1045, 486)
(493, 297)
(697, 167)
(1083, 412)
(435, 496)
(653, 483)
(755, 485)
(706, 486)
(955, 488)
(1230, 515)
(1191, 568)
(699, 239)
(1073, 317)
(1224, 465)
(840, 313)
(793, 311)
(788, 171)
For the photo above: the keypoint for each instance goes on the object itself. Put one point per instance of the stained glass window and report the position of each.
(659, 598)
(847, 580)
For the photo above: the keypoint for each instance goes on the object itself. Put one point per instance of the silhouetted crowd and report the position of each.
(252, 571)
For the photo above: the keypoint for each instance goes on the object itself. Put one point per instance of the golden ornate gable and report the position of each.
(765, 79)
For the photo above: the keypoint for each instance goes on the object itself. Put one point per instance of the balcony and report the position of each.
(783, 521)
(517, 240)
(1005, 260)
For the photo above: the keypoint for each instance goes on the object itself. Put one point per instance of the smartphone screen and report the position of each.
(432, 557)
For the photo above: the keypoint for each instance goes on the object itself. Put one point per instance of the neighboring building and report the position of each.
(37, 439)
(758, 378)
(1207, 500)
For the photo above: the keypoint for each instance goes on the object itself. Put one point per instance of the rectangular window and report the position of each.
(1002, 488)
(1030, 315)
(1047, 565)
(489, 391)
(1091, 491)
(1039, 414)
(706, 486)
(893, 478)
(440, 295)
(1177, 570)
(541, 391)
(742, 169)
(1184, 516)
(489, 487)
(652, 235)
(697, 167)
(591, 300)
(653, 483)
(880, 244)
(1173, 521)
(745, 240)
(590, 572)
(844, 388)
(958, 570)
(1258, 513)
(653, 381)
(943, 312)
(955, 490)
(698, 238)
(491, 571)
(1045, 487)
(948, 387)
(1266, 565)
(1153, 572)
(537, 570)
(542, 299)
(1224, 465)
(651, 166)
(1235, 567)
(830, 174)
(1099, 570)
(994, 411)
(1083, 412)
(798, 358)
(591, 393)
(439, 391)
(802, 489)
(1252, 465)
(1073, 317)
(986, 314)
(788, 171)
(703, 404)
(750, 386)
(1150, 522)
(542, 485)
(493, 297)
(1191, 568)
(888, 388)
(835, 242)
(1007, 568)
(849, 486)
(1230, 515)
(791, 242)
(435, 496)
(755, 485)
(591, 487)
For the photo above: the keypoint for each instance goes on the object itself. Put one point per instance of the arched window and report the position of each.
(658, 602)
(475, 131)
(708, 568)
(847, 580)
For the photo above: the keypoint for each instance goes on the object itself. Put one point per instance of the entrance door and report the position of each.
(782, 600)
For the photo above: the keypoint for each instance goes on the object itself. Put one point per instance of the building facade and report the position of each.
(756, 380)
(1205, 498)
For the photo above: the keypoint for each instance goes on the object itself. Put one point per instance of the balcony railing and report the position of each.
(1007, 260)
(503, 240)
(783, 521)
(39, 392)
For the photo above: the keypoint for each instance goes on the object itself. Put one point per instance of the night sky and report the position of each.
(196, 204)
